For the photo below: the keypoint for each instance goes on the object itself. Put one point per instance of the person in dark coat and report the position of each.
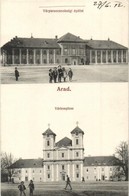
(16, 73)
(64, 73)
(68, 182)
(50, 75)
(31, 187)
(22, 188)
(60, 73)
(70, 74)
(55, 73)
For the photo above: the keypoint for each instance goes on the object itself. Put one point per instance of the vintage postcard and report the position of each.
(64, 98)
(86, 40)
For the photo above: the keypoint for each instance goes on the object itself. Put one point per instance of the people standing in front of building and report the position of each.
(22, 188)
(50, 75)
(64, 74)
(16, 73)
(31, 187)
(70, 74)
(68, 182)
(55, 73)
(60, 73)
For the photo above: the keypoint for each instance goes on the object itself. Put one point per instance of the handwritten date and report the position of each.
(107, 4)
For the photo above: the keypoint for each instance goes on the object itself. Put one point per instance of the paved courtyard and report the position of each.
(89, 73)
(79, 189)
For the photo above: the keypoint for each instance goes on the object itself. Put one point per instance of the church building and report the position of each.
(65, 157)
(66, 50)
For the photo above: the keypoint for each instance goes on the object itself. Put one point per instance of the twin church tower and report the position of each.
(64, 157)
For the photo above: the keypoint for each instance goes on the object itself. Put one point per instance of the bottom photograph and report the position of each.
(63, 144)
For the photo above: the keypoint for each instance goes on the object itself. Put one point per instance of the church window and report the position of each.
(48, 155)
(62, 167)
(87, 177)
(110, 169)
(48, 143)
(77, 142)
(26, 171)
(87, 170)
(33, 178)
(102, 169)
(48, 167)
(48, 175)
(77, 175)
(62, 154)
(77, 154)
(77, 166)
(33, 171)
(40, 179)
(40, 171)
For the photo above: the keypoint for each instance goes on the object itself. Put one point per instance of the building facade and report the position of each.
(67, 50)
(65, 157)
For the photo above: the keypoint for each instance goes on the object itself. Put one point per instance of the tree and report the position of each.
(121, 162)
(6, 161)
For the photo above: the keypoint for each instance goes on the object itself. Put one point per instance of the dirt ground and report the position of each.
(81, 74)
(79, 189)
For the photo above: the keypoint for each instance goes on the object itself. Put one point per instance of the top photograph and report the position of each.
(62, 43)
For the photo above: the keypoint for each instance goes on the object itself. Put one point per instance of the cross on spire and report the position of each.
(77, 123)
(48, 125)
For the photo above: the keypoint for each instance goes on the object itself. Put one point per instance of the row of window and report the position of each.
(63, 155)
(37, 52)
(102, 169)
(108, 56)
(77, 142)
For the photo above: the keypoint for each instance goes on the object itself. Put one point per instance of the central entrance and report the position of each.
(63, 177)
(74, 62)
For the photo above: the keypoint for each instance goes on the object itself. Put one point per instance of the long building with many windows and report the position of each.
(67, 50)
(65, 157)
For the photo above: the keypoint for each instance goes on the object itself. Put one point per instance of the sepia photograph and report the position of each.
(61, 41)
(64, 97)
(65, 143)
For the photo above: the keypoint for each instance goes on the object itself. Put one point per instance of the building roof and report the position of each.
(64, 142)
(49, 132)
(104, 44)
(32, 43)
(99, 161)
(77, 130)
(68, 37)
(27, 163)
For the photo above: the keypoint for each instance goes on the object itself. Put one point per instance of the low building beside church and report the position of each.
(66, 50)
(65, 157)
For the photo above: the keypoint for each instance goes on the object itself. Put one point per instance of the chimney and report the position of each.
(31, 35)
(56, 37)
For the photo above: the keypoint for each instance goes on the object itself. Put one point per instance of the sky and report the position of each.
(25, 17)
(100, 108)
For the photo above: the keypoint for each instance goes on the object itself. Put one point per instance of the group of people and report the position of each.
(31, 187)
(59, 74)
(22, 188)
